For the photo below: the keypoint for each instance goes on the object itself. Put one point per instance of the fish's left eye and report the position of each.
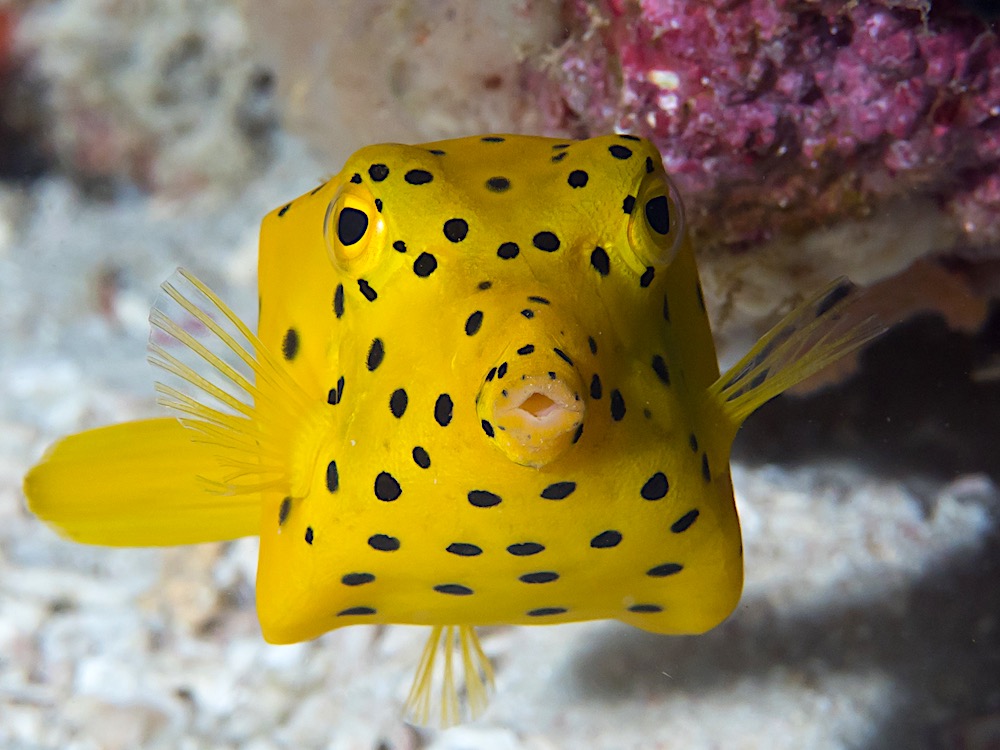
(352, 222)
(656, 224)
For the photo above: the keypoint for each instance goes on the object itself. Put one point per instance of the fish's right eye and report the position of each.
(351, 225)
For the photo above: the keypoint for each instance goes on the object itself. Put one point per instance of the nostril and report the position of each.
(538, 405)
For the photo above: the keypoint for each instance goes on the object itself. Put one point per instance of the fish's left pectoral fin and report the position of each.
(811, 337)
(437, 697)
(139, 484)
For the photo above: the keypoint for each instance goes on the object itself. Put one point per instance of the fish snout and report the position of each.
(533, 407)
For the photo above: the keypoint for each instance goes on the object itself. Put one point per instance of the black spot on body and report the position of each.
(546, 241)
(378, 172)
(443, 409)
(487, 428)
(578, 434)
(497, 184)
(706, 470)
(309, 535)
(421, 458)
(600, 261)
(383, 542)
(628, 204)
(558, 157)
(492, 139)
(397, 402)
(483, 498)
(693, 442)
(666, 309)
(376, 353)
(366, 289)
(543, 611)
(502, 370)
(338, 301)
(655, 487)
(647, 277)
(559, 490)
(542, 576)
(356, 178)
(418, 177)
(378, 205)
(437, 152)
(284, 209)
(620, 152)
(456, 229)
(660, 368)
(592, 344)
(473, 323)
(643, 608)
(290, 344)
(462, 549)
(563, 356)
(332, 477)
(357, 579)
(284, 510)
(387, 488)
(425, 265)
(399, 246)
(595, 386)
(508, 250)
(351, 225)
(524, 549)
(578, 178)
(491, 374)
(627, 137)
(606, 539)
(667, 569)
(455, 589)
(526, 349)
(658, 214)
(529, 314)
(649, 165)
(539, 300)
(336, 394)
(484, 285)
(356, 611)
(683, 523)
(617, 405)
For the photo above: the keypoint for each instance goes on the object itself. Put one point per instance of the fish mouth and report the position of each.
(535, 414)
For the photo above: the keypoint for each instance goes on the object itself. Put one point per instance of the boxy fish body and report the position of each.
(483, 390)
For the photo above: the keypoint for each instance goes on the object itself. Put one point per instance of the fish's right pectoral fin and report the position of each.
(146, 483)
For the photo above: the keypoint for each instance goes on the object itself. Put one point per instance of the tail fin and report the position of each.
(809, 338)
(137, 484)
(426, 707)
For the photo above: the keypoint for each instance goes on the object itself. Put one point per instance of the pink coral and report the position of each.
(785, 113)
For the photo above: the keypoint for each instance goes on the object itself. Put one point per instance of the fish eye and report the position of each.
(656, 224)
(352, 222)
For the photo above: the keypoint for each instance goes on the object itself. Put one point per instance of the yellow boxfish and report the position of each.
(483, 390)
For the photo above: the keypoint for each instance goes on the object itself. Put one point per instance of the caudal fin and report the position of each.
(811, 337)
(138, 484)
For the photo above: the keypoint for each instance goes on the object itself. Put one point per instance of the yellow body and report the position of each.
(483, 391)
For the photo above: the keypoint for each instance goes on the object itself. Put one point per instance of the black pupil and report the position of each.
(658, 214)
(352, 225)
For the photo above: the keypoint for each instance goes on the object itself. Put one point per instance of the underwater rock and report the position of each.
(776, 120)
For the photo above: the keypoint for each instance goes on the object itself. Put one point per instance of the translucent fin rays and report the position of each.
(812, 336)
(225, 384)
(435, 698)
